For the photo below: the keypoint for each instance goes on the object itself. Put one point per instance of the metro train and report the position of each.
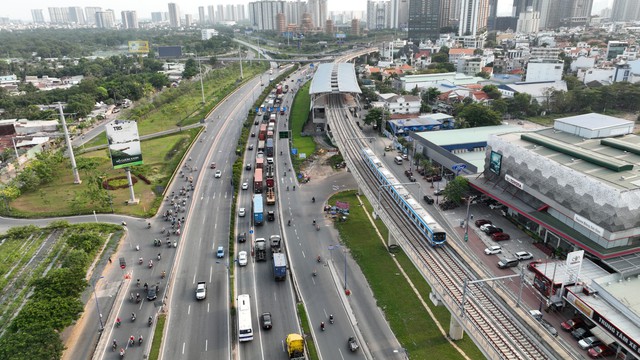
(425, 223)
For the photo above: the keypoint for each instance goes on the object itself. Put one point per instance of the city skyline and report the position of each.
(23, 10)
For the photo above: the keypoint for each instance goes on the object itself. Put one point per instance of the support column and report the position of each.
(392, 240)
(456, 332)
(132, 195)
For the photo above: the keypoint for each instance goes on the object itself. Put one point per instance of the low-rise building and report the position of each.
(401, 104)
(544, 70)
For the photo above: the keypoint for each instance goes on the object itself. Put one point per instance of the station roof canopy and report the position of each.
(335, 78)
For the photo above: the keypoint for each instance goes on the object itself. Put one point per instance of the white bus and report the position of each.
(245, 330)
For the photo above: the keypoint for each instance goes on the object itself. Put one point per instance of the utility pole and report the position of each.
(201, 84)
(74, 167)
(241, 73)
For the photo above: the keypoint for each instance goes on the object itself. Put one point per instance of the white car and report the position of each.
(524, 255)
(218, 174)
(484, 227)
(245, 185)
(242, 258)
(242, 212)
(492, 250)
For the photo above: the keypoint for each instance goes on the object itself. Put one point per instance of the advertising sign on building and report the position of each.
(124, 143)
(574, 261)
(138, 47)
(495, 162)
(588, 224)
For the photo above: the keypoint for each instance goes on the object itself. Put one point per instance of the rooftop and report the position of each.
(594, 121)
(335, 78)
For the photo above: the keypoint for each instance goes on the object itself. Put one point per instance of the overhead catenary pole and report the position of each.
(74, 167)
(240, 53)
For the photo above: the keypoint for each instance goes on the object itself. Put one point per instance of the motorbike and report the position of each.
(140, 340)
(313, 199)
(121, 353)
(118, 322)
(133, 317)
(319, 258)
(138, 298)
(137, 247)
(150, 264)
(317, 227)
(289, 223)
(150, 321)
(132, 341)
(148, 225)
(158, 256)
(314, 273)
(331, 319)
(322, 326)
(140, 261)
(163, 274)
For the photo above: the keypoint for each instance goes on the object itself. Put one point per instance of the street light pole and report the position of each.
(97, 304)
(466, 225)
(201, 84)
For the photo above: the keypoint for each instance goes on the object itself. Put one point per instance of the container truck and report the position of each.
(279, 266)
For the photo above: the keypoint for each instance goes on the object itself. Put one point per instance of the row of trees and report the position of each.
(106, 80)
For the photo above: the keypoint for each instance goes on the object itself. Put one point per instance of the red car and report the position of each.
(600, 351)
(500, 236)
(571, 324)
(481, 222)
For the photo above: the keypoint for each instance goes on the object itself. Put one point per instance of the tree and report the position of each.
(190, 69)
(492, 91)
(457, 190)
(500, 106)
(479, 115)
(483, 74)
(81, 105)
(478, 51)
(415, 91)
(440, 57)
(213, 60)
(373, 116)
(431, 95)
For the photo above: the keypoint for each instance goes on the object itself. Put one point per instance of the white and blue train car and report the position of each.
(432, 231)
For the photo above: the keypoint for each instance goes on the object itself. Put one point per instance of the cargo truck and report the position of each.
(269, 147)
(258, 211)
(271, 196)
(257, 181)
(260, 249)
(295, 347)
(279, 266)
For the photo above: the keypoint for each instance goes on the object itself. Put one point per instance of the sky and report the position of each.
(22, 9)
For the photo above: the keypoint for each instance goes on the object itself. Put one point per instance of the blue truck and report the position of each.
(258, 212)
(279, 266)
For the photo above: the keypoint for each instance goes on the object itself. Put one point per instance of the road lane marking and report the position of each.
(194, 279)
(208, 307)
(183, 346)
(206, 345)
(210, 274)
(189, 310)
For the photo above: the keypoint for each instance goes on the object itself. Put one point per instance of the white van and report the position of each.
(398, 160)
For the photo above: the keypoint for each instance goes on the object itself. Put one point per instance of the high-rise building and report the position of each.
(473, 17)
(76, 15)
(230, 12)
(281, 23)
(58, 15)
(90, 14)
(105, 19)
(529, 21)
(241, 12)
(129, 20)
(328, 27)
(355, 27)
(424, 20)
(625, 10)
(220, 13)
(378, 14)
(174, 15)
(37, 16)
(188, 20)
(318, 11)
(399, 14)
(556, 13)
(211, 14)
(158, 16)
(263, 14)
(201, 18)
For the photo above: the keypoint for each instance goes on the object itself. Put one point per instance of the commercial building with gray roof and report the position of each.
(574, 191)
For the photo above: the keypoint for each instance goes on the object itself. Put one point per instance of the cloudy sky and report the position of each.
(22, 9)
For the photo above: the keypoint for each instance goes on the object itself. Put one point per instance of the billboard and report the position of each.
(495, 162)
(124, 143)
(170, 51)
(139, 47)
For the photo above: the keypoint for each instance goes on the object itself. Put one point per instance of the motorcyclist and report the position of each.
(331, 318)
(294, 188)
(158, 256)
(289, 223)
(140, 340)
(132, 340)
(118, 322)
(322, 325)
(314, 221)
(150, 321)
(138, 283)
(319, 258)
(140, 261)
(133, 316)
(313, 199)
(150, 263)
(287, 187)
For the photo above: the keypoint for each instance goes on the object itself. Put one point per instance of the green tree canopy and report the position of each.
(479, 115)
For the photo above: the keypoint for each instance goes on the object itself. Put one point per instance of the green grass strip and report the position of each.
(154, 353)
(409, 320)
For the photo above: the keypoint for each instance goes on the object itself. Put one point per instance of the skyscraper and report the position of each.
(129, 20)
(105, 19)
(37, 16)
(157, 16)
(201, 18)
(625, 10)
(473, 16)
(220, 13)
(90, 14)
(76, 15)
(211, 14)
(174, 15)
(58, 15)
(263, 14)
(399, 14)
(378, 14)
(555, 13)
(424, 20)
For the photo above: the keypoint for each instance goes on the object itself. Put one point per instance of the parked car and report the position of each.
(493, 230)
(492, 250)
(507, 263)
(408, 173)
(484, 227)
(523, 255)
(500, 236)
(580, 333)
(428, 199)
(481, 222)
(589, 342)
(447, 205)
(265, 321)
(242, 258)
(438, 192)
(433, 178)
(601, 351)
(220, 252)
(570, 324)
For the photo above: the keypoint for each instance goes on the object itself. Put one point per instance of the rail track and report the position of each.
(484, 316)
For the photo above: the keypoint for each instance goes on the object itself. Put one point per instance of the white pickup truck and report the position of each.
(201, 290)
